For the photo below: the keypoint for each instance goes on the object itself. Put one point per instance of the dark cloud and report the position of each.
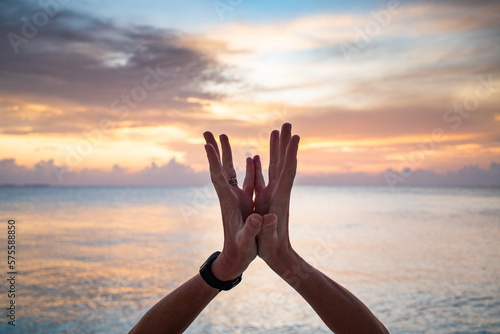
(49, 173)
(176, 174)
(78, 61)
(464, 3)
(389, 122)
(466, 176)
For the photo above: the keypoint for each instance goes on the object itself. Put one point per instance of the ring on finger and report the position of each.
(233, 181)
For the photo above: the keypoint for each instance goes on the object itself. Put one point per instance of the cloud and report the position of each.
(177, 174)
(79, 70)
(466, 176)
(48, 173)
(427, 52)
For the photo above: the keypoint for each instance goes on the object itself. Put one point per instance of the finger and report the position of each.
(252, 227)
(210, 139)
(268, 232)
(248, 183)
(269, 223)
(273, 155)
(227, 156)
(286, 132)
(287, 176)
(260, 183)
(218, 179)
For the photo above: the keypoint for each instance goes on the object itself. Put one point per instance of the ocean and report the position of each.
(95, 259)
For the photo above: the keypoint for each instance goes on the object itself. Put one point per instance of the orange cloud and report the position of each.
(138, 95)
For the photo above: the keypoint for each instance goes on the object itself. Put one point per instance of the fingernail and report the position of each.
(254, 222)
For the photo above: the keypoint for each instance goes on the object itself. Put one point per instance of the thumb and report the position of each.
(250, 230)
(267, 234)
(269, 223)
(253, 225)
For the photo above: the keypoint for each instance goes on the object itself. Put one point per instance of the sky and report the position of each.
(381, 92)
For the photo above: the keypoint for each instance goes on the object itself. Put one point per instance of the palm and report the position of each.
(274, 199)
(236, 205)
(263, 198)
(245, 202)
(239, 208)
(271, 200)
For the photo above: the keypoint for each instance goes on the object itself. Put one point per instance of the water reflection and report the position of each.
(94, 260)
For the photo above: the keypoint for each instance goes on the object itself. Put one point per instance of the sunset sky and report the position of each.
(103, 88)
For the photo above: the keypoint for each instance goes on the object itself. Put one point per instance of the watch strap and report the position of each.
(214, 282)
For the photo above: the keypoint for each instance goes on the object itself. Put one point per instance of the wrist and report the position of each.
(282, 264)
(213, 281)
(294, 270)
(224, 270)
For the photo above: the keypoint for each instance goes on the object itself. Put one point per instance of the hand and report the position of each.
(245, 195)
(240, 247)
(273, 201)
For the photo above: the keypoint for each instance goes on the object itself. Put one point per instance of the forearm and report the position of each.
(339, 309)
(176, 311)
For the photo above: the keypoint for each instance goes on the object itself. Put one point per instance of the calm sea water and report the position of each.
(94, 260)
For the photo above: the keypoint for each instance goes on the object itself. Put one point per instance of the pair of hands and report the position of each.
(251, 227)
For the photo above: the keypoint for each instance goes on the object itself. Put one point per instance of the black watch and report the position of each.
(214, 282)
